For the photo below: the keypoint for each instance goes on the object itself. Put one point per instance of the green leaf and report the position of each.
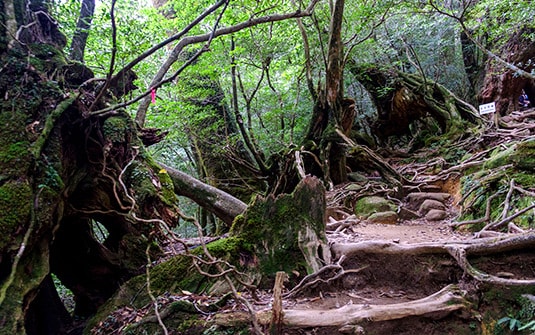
(530, 325)
(503, 320)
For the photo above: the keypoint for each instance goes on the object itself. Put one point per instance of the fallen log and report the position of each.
(223, 205)
(447, 300)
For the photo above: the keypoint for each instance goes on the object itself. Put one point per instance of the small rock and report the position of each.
(417, 198)
(407, 214)
(388, 217)
(430, 204)
(357, 177)
(436, 215)
(366, 206)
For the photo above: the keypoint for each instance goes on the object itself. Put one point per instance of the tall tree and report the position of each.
(79, 39)
(332, 111)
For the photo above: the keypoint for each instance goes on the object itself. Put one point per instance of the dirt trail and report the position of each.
(411, 231)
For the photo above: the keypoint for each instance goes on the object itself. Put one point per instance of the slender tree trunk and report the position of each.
(331, 111)
(82, 30)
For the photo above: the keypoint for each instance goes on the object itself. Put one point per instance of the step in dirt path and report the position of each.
(404, 232)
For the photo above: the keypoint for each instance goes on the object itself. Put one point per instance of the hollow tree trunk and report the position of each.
(502, 85)
(64, 172)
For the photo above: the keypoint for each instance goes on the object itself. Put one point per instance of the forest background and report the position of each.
(248, 97)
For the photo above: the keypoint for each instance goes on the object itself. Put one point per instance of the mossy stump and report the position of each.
(287, 232)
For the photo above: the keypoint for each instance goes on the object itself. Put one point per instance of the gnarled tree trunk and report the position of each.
(65, 172)
(402, 98)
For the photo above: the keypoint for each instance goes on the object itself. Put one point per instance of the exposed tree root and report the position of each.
(459, 250)
(449, 299)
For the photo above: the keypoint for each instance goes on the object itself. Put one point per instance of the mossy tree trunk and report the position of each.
(276, 233)
(222, 159)
(65, 174)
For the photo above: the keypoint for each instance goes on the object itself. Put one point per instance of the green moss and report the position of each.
(144, 175)
(499, 158)
(167, 188)
(140, 178)
(524, 155)
(225, 248)
(526, 220)
(271, 227)
(15, 155)
(116, 129)
(172, 276)
(15, 207)
(46, 58)
(525, 179)
(14, 146)
(367, 206)
(49, 125)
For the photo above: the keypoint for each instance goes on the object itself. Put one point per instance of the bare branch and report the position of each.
(158, 79)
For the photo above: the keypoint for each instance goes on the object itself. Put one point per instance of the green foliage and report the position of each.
(513, 323)
(496, 20)
(523, 319)
(66, 295)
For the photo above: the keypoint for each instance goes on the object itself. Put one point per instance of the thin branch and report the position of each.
(498, 224)
(173, 38)
(158, 80)
(102, 91)
(308, 65)
(480, 220)
(247, 136)
(224, 273)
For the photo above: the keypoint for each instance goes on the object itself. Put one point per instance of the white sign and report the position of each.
(487, 108)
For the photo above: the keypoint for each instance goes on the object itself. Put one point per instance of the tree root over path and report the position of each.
(449, 299)
(459, 250)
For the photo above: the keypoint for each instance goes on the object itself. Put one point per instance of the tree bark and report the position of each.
(447, 300)
(402, 98)
(82, 30)
(501, 84)
(331, 111)
(222, 204)
(62, 171)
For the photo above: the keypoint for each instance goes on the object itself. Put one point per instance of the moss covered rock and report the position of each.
(367, 206)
